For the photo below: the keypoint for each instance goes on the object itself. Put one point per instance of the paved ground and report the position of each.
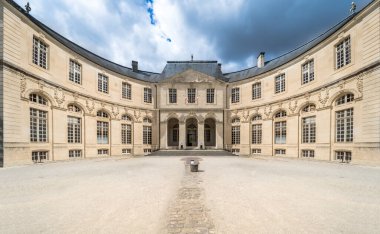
(159, 195)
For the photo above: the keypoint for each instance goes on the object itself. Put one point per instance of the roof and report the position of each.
(210, 68)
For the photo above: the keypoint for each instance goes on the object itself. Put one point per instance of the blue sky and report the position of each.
(155, 31)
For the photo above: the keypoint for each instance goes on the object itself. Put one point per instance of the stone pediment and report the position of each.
(190, 76)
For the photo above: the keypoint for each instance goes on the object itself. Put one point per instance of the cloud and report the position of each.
(231, 31)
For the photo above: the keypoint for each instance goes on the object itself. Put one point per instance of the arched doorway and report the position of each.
(192, 132)
(173, 132)
(210, 133)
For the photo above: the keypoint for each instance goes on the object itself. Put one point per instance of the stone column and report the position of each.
(182, 133)
(164, 134)
(201, 134)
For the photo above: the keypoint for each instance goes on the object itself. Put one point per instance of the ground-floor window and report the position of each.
(280, 132)
(102, 132)
(40, 156)
(103, 152)
(344, 156)
(256, 134)
(126, 134)
(280, 152)
(256, 151)
(147, 135)
(75, 153)
(235, 135)
(126, 151)
(308, 153)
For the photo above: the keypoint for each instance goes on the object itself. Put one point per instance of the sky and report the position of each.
(152, 32)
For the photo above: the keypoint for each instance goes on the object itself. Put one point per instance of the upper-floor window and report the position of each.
(34, 97)
(349, 97)
(343, 53)
(280, 83)
(308, 72)
(256, 91)
(75, 72)
(126, 91)
(235, 95)
(102, 83)
(210, 95)
(147, 95)
(40, 53)
(172, 95)
(191, 95)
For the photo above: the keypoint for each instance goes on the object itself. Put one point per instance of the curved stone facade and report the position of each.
(319, 101)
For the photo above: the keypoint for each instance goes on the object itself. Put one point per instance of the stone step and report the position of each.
(192, 153)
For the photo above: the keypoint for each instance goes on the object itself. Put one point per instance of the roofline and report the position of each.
(194, 61)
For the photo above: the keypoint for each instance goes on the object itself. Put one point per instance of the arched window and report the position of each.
(309, 108)
(126, 118)
(280, 114)
(74, 108)
(147, 120)
(235, 120)
(349, 97)
(36, 98)
(102, 114)
(256, 118)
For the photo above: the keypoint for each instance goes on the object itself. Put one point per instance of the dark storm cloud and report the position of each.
(273, 26)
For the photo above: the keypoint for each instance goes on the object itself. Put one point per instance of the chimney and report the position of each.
(135, 66)
(220, 67)
(261, 60)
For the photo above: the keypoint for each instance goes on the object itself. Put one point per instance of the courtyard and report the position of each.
(160, 195)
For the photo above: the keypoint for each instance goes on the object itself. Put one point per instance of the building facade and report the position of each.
(61, 102)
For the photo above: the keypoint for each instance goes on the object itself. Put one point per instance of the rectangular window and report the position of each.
(256, 133)
(126, 91)
(147, 151)
(308, 72)
(102, 132)
(343, 53)
(235, 95)
(280, 132)
(147, 135)
(256, 151)
(235, 135)
(147, 95)
(235, 151)
(345, 125)
(308, 130)
(210, 95)
(103, 152)
(40, 156)
(126, 134)
(40, 53)
(73, 129)
(126, 151)
(308, 153)
(191, 95)
(280, 83)
(75, 153)
(280, 152)
(75, 72)
(344, 156)
(102, 83)
(38, 125)
(256, 91)
(172, 95)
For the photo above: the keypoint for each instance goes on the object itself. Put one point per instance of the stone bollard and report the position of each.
(194, 166)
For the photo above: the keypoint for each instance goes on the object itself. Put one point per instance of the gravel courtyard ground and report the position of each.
(159, 195)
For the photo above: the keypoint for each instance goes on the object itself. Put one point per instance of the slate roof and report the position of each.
(174, 67)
